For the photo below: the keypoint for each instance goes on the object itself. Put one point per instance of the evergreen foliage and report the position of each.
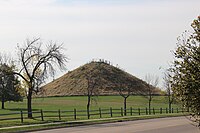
(9, 85)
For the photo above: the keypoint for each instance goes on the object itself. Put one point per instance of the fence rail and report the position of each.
(79, 114)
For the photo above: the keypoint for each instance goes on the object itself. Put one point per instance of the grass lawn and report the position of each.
(84, 122)
(79, 103)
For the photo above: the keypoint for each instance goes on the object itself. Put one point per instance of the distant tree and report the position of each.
(93, 83)
(91, 91)
(125, 91)
(168, 86)
(152, 82)
(9, 84)
(186, 69)
(37, 64)
(127, 86)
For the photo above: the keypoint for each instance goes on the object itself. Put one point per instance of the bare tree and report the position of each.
(152, 82)
(129, 88)
(167, 84)
(93, 84)
(92, 90)
(125, 91)
(37, 64)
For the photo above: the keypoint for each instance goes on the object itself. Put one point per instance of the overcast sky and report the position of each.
(138, 35)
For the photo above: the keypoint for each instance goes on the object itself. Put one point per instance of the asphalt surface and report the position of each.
(162, 125)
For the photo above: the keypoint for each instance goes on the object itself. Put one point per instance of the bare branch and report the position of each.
(37, 64)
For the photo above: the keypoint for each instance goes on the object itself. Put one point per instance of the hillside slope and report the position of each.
(109, 79)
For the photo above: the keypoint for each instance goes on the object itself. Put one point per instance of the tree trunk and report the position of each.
(2, 102)
(150, 106)
(29, 103)
(169, 104)
(170, 107)
(125, 105)
(88, 107)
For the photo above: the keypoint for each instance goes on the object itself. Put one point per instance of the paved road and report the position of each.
(162, 125)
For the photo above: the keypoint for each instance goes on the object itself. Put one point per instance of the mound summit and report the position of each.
(75, 82)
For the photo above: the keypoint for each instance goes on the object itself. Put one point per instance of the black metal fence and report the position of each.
(82, 114)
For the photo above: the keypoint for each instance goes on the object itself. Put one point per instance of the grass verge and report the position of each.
(62, 124)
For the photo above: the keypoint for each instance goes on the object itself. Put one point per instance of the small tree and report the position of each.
(9, 84)
(125, 91)
(92, 90)
(152, 82)
(186, 69)
(167, 84)
(37, 64)
(127, 86)
(93, 83)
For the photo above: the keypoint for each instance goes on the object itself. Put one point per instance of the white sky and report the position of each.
(135, 34)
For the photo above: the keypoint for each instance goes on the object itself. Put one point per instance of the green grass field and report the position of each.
(79, 103)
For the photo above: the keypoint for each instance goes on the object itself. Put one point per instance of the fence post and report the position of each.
(146, 111)
(59, 116)
(172, 110)
(131, 111)
(139, 111)
(100, 113)
(74, 114)
(111, 114)
(154, 111)
(166, 110)
(21, 116)
(177, 110)
(121, 111)
(41, 112)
